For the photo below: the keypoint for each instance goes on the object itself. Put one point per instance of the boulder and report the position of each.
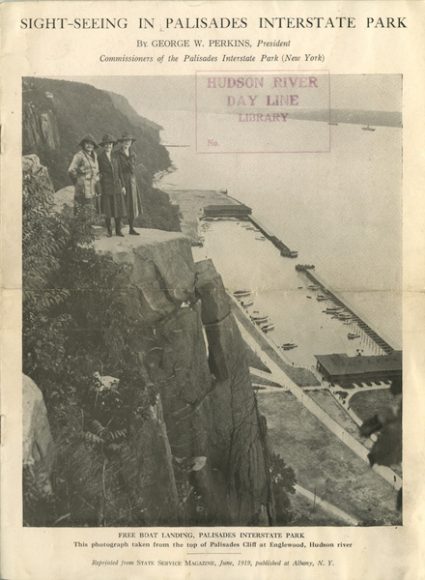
(38, 446)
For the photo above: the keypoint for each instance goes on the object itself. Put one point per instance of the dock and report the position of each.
(373, 334)
(284, 250)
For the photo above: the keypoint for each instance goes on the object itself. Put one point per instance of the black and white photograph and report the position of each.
(212, 300)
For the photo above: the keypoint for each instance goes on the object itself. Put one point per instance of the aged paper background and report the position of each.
(376, 552)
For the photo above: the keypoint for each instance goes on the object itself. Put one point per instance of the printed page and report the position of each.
(212, 234)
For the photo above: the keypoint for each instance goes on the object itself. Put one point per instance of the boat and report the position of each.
(260, 238)
(321, 298)
(352, 335)
(368, 128)
(241, 293)
(267, 327)
(289, 345)
(309, 297)
(259, 319)
(247, 304)
(300, 288)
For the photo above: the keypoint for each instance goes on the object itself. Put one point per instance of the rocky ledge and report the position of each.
(199, 368)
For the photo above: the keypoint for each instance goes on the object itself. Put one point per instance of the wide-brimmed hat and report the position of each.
(107, 138)
(88, 139)
(127, 137)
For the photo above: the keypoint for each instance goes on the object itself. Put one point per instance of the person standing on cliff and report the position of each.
(127, 164)
(84, 174)
(113, 202)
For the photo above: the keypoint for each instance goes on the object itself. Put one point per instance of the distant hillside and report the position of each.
(377, 118)
(56, 114)
(124, 106)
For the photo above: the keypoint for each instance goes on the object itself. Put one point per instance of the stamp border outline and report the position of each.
(248, 72)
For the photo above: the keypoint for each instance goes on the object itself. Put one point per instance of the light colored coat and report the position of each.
(84, 173)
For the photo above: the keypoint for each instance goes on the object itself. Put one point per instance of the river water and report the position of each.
(340, 209)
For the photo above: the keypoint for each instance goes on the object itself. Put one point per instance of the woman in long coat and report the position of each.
(127, 163)
(84, 173)
(113, 202)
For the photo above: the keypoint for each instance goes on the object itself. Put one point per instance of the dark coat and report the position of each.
(127, 165)
(113, 202)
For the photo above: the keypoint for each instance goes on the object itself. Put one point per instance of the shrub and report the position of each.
(75, 323)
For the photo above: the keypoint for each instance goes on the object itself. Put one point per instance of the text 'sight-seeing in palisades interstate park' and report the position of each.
(212, 258)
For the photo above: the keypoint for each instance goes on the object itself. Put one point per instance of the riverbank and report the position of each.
(249, 261)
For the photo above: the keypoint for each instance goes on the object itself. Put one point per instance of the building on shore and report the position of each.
(344, 369)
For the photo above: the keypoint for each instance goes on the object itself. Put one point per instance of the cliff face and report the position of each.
(174, 438)
(193, 355)
(56, 114)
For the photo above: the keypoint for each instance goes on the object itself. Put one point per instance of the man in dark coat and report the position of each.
(127, 163)
(112, 186)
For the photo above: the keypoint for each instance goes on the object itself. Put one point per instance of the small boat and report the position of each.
(260, 238)
(352, 335)
(368, 128)
(247, 304)
(241, 293)
(289, 346)
(321, 298)
(257, 316)
(260, 319)
(309, 297)
(267, 327)
(300, 288)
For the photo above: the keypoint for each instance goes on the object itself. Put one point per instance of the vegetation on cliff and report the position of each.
(72, 325)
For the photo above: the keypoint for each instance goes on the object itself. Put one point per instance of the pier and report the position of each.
(283, 248)
(377, 338)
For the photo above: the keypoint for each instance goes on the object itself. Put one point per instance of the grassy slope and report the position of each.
(322, 462)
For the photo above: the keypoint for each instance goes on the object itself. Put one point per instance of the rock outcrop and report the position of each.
(38, 447)
(197, 363)
(171, 434)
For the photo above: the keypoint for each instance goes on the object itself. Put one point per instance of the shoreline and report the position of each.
(192, 215)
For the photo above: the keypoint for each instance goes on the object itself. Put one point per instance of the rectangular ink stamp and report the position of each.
(263, 112)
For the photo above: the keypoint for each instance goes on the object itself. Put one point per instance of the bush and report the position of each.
(74, 324)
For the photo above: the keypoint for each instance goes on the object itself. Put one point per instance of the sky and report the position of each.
(152, 95)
